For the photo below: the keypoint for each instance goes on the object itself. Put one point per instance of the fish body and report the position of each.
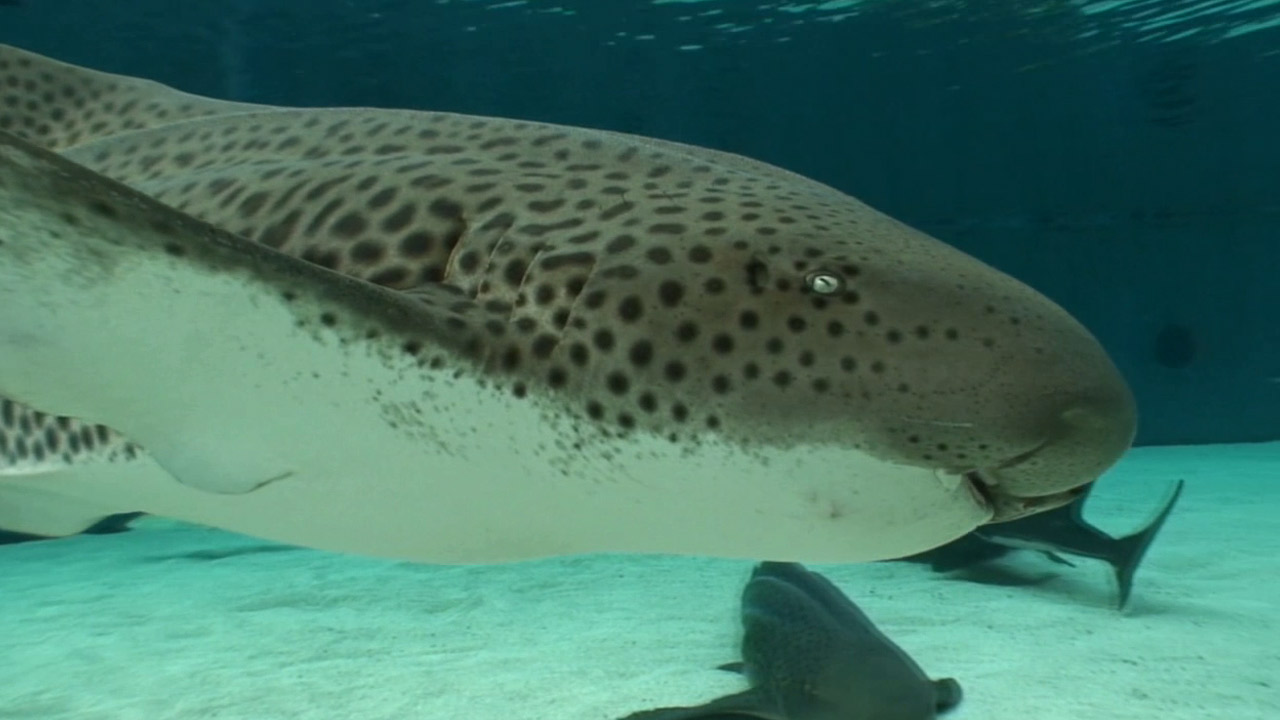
(810, 653)
(1056, 533)
(1064, 531)
(452, 338)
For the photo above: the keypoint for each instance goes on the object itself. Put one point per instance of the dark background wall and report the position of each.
(1128, 165)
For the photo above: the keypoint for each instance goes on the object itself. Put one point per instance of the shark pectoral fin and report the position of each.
(1130, 550)
(218, 473)
(84, 274)
(234, 365)
(733, 667)
(747, 705)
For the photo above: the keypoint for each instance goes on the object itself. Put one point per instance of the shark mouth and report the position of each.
(985, 486)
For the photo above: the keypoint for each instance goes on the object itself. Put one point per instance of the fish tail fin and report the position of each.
(1130, 549)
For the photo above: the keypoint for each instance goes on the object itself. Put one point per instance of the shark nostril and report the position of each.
(1080, 443)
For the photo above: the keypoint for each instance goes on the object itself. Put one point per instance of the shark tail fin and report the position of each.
(56, 105)
(1130, 550)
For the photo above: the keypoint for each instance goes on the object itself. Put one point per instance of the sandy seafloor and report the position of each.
(174, 621)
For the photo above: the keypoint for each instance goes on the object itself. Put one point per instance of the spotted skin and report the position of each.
(635, 285)
(380, 197)
(31, 440)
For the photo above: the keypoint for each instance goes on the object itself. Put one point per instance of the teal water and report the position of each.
(1118, 155)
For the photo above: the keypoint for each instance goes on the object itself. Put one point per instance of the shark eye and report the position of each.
(824, 282)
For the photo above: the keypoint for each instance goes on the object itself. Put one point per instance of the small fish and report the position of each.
(811, 654)
(1057, 532)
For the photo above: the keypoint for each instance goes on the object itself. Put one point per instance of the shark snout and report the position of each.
(1073, 434)
(1085, 439)
(1017, 395)
(1026, 402)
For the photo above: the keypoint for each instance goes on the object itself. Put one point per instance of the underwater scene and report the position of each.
(639, 360)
